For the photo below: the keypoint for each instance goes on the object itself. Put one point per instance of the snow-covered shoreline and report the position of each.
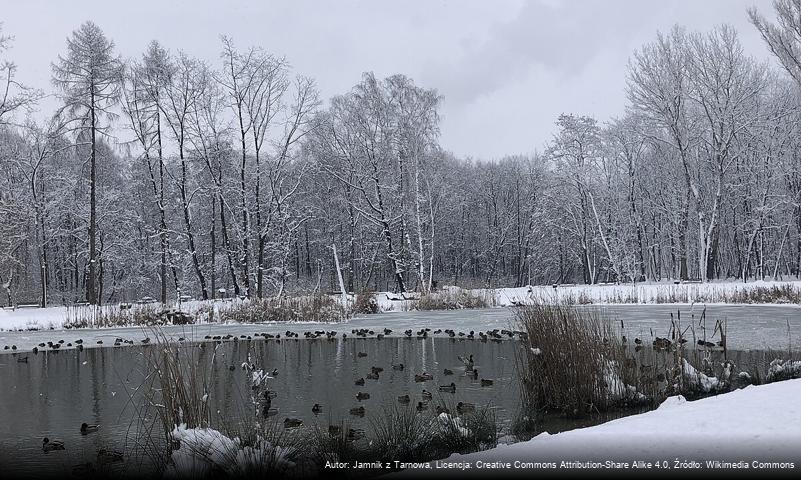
(750, 427)
(27, 327)
(55, 317)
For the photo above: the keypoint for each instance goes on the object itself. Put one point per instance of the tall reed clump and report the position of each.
(573, 362)
(205, 436)
(453, 299)
(316, 308)
(365, 303)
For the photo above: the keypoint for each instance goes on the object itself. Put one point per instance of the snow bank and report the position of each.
(205, 450)
(782, 370)
(755, 423)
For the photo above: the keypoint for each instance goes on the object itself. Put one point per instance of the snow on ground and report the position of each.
(203, 451)
(757, 423)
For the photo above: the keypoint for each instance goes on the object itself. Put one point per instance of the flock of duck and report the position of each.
(375, 374)
(493, 335)
(103, 455)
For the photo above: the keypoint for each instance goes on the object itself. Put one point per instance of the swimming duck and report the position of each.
(468, 362)
(426, 394)
(359, 381)
(486, 382)
(448, 388)
(146, 341)
(86, 428)
(376, 369)
(421, 406)
(47, 445)
(397, 367)
(317, 409)
(362, 396)
(292, 422)
(448, 371)
(361, 354)
(463, 407)
(359, 411)
(372, 376)
(404, 399)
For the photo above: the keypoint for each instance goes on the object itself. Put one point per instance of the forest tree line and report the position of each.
(167, 176)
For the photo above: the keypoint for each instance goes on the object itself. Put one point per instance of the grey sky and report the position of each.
(506, 68)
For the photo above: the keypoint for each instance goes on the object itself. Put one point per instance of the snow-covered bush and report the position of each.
(783, 370)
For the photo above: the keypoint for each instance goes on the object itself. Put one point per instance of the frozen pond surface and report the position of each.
(749, 326)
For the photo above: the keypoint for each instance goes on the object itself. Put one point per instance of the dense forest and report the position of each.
(165, 176)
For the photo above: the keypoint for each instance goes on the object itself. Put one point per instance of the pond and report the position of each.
(53, 392)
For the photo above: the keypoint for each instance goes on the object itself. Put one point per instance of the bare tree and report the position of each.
(89, 80)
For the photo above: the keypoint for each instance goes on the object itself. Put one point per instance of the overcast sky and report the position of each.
(506, 68)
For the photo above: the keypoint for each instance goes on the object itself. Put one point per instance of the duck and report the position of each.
(485, 382)
(421, 406)
(317, 409)
(372, 376)
(359, 411)
(86, 428)
(109, 456)
(448, 371)
(292, 422)
(463, 407)
(48, 445)
(359, 381)
(146, 341)
(426, 394)
(362, 396)
(397, 367)
(376, 369)
(404, 399)
(361, 354)
(448, 388)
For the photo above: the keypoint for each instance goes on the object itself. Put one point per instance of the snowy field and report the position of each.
(755, 424)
